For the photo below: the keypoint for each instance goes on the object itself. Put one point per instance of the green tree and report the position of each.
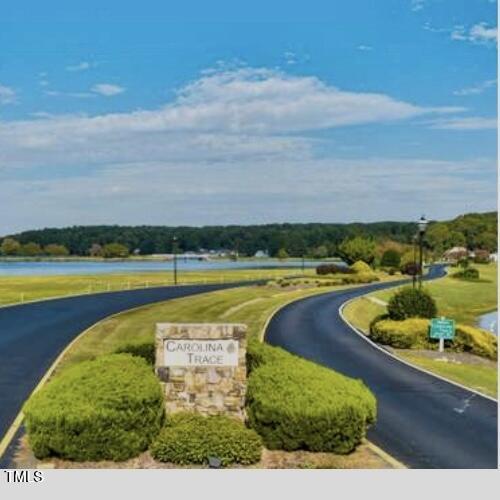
(320, 252)
(282, 254)
(30, 250)
(391, 258)
(10, 246)
(487, 241)
(55, 250)
(358, 248)
(115, 250)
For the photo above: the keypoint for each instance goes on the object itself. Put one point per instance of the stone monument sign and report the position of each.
(202, 367)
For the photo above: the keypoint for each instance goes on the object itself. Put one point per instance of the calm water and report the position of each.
(489, 322)
(83, 267)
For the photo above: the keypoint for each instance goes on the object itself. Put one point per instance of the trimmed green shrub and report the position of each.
(189, 438)
(361, 267)
(391, 258)
(324, 269)
(470, 273)
(109, 408)
(360, 278)
(295, 404)
(411, 303)
(414, 334)
(145, 351)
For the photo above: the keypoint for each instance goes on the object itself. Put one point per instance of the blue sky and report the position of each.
(219, 112)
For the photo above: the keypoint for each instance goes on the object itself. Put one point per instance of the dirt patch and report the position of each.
(362, 458)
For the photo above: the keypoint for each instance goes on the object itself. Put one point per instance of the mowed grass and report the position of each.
(461, 300)
(481, 378)
(15, 289)
(249, 305)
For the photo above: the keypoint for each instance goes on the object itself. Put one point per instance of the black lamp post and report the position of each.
(422, 226)
(414, 274)
(174, 251)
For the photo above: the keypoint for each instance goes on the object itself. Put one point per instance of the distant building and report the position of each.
(494, 257)
(261, 254)
(455, 254)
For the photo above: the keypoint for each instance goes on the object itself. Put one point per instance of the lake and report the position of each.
(489, 322)
(51, 268)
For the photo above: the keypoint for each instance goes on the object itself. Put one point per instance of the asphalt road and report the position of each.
(422, 421)
(33, 335)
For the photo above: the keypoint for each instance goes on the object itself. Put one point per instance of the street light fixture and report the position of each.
(174, 251)
(422, 227)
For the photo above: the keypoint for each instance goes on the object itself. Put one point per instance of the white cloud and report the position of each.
(365, 47)
(232, 146)
(479, 33)
(107, 89)
(466, 123)
(81, 66)
(7, 95)
(417, 5)
(476, 89)
(290, 57)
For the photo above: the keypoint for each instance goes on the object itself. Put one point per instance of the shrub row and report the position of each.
(295, 404)
(189, 438)
(108, 408)
(323, 269)
(413, 333)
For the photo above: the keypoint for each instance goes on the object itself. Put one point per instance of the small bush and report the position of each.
(324, 269)
(189, 438)
(410, 269)
(109, 408)
(145, 351)
(295, 404)
(470, 273)
(391, 258)
(361, 267)
(414, 334)
(411, 303)
(360, 278)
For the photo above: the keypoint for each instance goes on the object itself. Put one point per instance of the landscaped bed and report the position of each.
(337, 424)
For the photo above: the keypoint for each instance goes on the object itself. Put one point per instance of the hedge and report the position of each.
(109, 408)
(324, 269)
(361, 266)
(190, 438)
(145, 350)
(414, 334)
(295, 404)
(356, 279)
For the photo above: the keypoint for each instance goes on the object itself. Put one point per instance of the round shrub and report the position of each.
(145, 351)
(360, 278)
(470, 273)
(189, 438)
(414, 334)
(410, 269)
(411, 303)
(295, 404)
(391, 258)
(361, 267)
(109, 408)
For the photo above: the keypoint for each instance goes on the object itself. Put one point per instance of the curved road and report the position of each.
(423, 421)
(32, 335)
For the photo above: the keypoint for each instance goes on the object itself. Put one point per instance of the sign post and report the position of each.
(443, 329)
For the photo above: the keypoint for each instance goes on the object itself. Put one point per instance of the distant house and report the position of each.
(494, 257)
(261, 254)
(455, 254)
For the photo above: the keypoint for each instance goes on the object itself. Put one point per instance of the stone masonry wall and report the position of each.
(209, 390)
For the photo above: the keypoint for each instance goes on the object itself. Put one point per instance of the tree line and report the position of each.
(279, 240)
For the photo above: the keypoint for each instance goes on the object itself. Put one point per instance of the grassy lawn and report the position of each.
(481, 378)
(14, 289)
(462, 300)
(250, 305)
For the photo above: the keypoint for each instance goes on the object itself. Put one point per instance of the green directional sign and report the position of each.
(442, 328)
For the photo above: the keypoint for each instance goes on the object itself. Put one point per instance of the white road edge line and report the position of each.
(373, 344)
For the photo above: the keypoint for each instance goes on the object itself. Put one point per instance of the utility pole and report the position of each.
(174, 251)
